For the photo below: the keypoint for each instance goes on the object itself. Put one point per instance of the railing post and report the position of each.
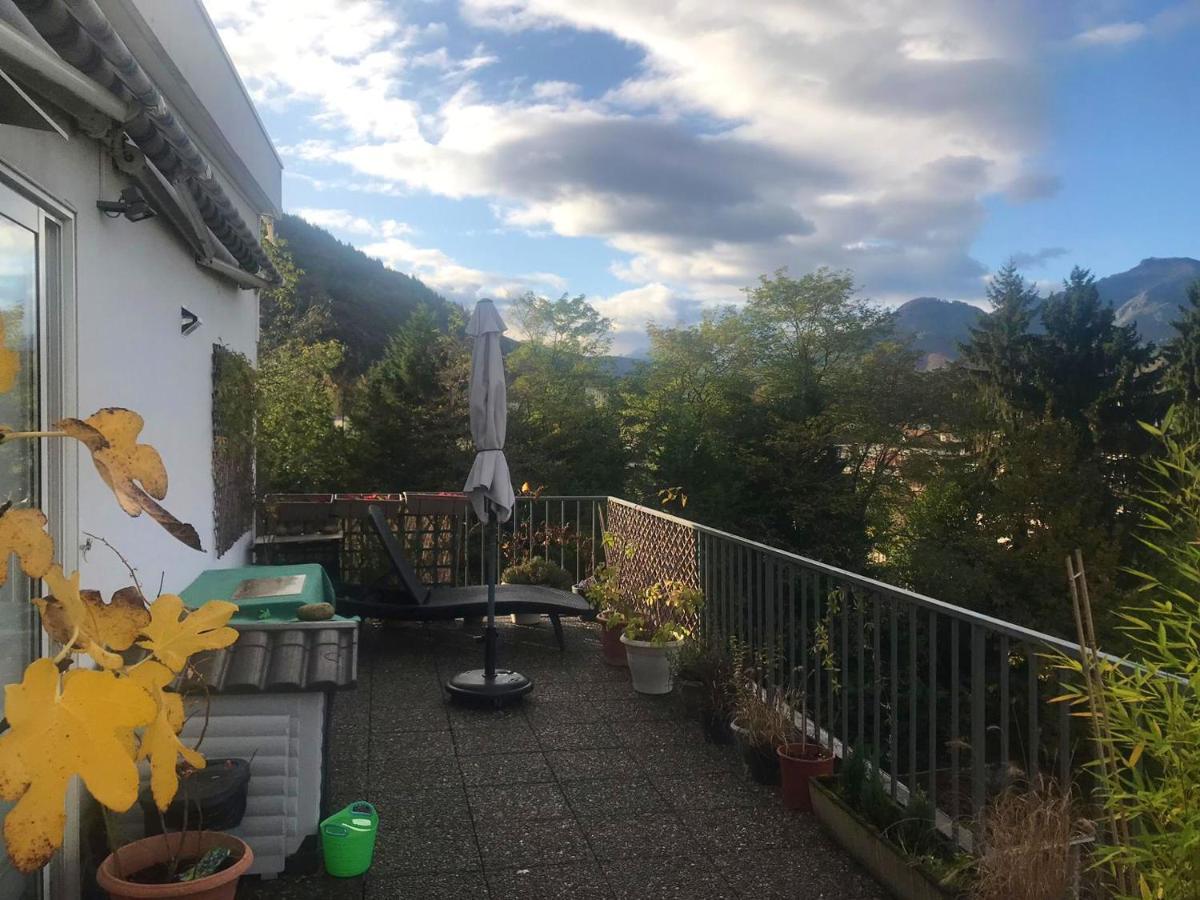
(978, 719)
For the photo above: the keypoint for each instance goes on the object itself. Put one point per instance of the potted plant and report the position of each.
(801, 759)
(535, 570)
(760, 719)
(603, 591)
(99, 723)
(702, 675)
(761, 723)
(655, 630)
(899, 845)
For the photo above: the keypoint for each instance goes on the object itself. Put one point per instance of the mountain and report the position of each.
(367, 301)
(936, 327)
(1150, 294)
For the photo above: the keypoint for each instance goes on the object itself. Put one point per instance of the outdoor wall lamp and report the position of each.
(188, 321)
(132, 205)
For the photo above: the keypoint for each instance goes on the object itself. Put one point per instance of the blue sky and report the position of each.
(660, 156)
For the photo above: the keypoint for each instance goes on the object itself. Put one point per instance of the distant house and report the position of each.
(132, 104)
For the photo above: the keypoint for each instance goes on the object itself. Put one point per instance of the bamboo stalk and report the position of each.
(1089, 651)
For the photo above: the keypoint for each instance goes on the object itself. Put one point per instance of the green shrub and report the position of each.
(538, 571)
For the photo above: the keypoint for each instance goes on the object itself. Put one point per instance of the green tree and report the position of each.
(299, 446)
(409, 416)
(1183, 358)
(564, 419)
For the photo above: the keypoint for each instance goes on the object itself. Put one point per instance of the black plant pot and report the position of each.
(760, 764)
(691, 694)
(215, 799)
(716, 727)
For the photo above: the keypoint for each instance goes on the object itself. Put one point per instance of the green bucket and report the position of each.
(348, 839)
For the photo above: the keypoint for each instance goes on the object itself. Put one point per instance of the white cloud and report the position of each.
(454, 280)
(345, 221)
(630, 311)
(841, 134)
(1112, 35)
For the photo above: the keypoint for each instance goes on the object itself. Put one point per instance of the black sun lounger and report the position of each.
(416, 602)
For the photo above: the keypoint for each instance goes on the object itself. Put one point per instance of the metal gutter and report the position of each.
(80, 34)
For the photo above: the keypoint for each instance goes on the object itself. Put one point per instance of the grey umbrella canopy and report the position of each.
(489, 485)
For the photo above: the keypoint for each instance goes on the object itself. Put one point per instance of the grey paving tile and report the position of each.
(740, 829)
(679, 877)
(650, 734)
(440, 886)
(575, 881)
(710, 791)
(431, 718)
(787, 874)
(420, 805)
(683, 757)
(609, 798)
(499, 803)
(409, 771)
(576, 736)
(613, 762)
(413, 851)
(306, 887)
(512, 735)
(391, 744)
(518, 845)
(505, 768)
(563, 712)
(646, 834)
(635, 710)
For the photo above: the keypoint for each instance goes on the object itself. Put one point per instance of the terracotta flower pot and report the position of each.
(147, 852)
(797, 764)
(610, 642)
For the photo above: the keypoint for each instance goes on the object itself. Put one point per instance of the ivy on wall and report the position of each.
(233, 409)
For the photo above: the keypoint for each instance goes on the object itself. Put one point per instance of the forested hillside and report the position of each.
(367, 302)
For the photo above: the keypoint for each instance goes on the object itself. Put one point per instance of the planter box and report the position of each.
(896, 871)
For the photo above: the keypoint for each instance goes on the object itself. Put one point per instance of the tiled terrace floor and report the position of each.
(584, 790)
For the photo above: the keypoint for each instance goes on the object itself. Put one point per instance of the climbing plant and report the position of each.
(233, 412)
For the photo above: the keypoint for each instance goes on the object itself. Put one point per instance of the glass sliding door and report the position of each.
(22, 276)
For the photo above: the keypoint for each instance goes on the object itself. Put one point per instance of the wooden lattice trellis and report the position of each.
(662, 548)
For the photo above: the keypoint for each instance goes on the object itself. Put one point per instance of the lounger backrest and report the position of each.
(400, 564)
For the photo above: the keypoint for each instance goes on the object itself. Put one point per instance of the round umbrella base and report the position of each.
(475, 686)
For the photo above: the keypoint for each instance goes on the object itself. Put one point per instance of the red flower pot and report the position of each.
(610, 642)
(797, 764)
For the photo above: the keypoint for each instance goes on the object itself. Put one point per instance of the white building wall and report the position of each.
(131, 279)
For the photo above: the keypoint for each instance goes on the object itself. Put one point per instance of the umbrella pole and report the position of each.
(490, 636)
(489, 685)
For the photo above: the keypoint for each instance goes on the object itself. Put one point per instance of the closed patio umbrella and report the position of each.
(490, 491)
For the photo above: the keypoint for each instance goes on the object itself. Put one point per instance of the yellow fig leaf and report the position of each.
(101, 626)
(160, 740)
(23, 532)
(55, 734)
(173, 639)
(133, 471)
(10, 362)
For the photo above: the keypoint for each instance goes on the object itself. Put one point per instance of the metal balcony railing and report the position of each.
(946, 701)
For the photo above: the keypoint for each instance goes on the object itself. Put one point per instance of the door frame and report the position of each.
(54, 221)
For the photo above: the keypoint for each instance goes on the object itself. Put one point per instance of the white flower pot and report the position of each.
(527, 618)
(650, 664)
